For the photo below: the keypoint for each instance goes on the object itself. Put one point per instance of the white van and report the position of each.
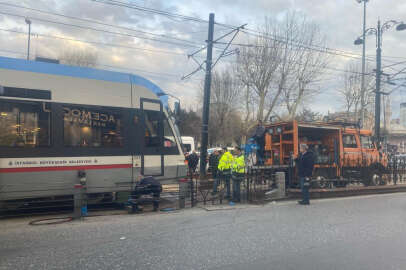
(188, 144)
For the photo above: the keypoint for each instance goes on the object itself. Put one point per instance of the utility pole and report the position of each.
(206, 98)
(207, 82)
(378, 84)
(363, 68)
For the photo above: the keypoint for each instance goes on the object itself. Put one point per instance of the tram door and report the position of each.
(152, 151)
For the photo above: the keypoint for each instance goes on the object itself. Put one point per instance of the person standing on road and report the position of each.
(305, 164)
(259, 137)
(192, 161)
(213, 164)
(224, 167)
(238, 173)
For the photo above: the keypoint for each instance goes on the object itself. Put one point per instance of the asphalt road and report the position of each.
(350, 233)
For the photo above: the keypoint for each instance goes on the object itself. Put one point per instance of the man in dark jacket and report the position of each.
(259, 137)
(192, 161)
(148, 185)
(305, 164)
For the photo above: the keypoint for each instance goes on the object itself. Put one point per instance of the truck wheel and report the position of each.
(321, 181)
(373, 178)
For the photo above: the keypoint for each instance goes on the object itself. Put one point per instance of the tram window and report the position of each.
(85, 127)
(152, 138)
(169, 138)
(366, 142)
(349, 141)
(24, 124)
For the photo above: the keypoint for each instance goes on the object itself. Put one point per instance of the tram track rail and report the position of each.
(65, 206)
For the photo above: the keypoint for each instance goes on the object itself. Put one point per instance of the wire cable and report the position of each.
(101, 30)
(94, 42)
(115, 68)
(168, 14)
(98, 22)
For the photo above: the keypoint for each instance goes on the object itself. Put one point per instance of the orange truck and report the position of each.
(343, 153)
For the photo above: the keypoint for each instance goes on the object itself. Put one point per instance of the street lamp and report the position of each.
(401, 26)
(28, 21)
(378, 31)
(363, 63)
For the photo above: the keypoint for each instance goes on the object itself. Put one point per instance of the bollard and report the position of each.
(78, 201)
(192, 197)
(183, 188)
(280, 182)
(83, 181)
(79, 197)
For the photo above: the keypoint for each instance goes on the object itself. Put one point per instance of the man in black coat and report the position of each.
(213, 164)
(259, 137)
(305, 164)
(193, 160)
(146, 186)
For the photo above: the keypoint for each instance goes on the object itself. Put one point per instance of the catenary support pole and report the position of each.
(363, 69)
(378, 84)
(206, 98)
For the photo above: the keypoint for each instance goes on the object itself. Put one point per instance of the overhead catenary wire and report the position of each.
(169, 14)
(321, 49)
(151, 10)
(309, 46)
(395, 64)
(98, 22)
(399, 72)
(143, 49)
(132, 69)
(160, 12)
(101, 30)
(325, 50)
(115, 45)
(94, 42)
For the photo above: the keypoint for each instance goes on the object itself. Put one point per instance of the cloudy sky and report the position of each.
(156, 46)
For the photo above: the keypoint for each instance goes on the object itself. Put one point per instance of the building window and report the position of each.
(88, 127)
(349, 141)
(24, 124)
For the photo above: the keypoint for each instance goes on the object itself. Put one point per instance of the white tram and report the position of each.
(58, 122)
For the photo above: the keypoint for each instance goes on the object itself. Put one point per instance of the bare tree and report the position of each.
(351, 91)
(188, 121)
(79, 57)
(224, 102)
(307, 115)
(256, 67)
(303, 61)
(282, 65)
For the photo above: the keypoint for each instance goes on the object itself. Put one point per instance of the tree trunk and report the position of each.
(260, 115)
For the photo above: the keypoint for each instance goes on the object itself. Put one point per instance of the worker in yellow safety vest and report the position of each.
(238, 174)
(225, 164)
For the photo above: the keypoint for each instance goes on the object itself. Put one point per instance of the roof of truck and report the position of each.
(350, 127)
